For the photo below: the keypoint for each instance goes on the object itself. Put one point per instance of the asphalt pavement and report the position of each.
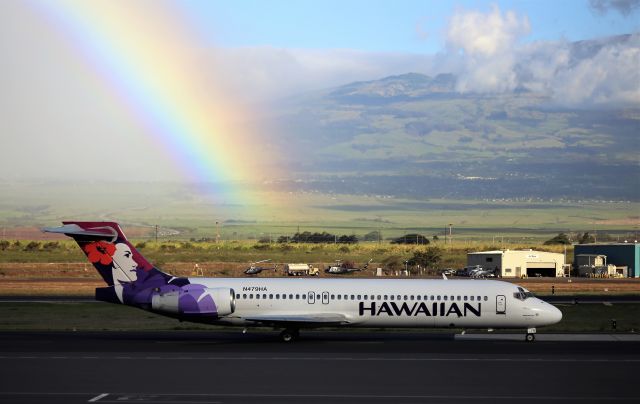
(322, 367)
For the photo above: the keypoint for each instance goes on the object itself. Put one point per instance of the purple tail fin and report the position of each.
(128, 274)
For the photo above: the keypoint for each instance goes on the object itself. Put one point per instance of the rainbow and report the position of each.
(149, 60)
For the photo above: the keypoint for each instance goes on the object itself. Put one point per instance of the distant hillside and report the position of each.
(414, 135)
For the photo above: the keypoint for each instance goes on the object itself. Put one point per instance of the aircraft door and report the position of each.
(311, 298)
(501, 304)
(325, 297)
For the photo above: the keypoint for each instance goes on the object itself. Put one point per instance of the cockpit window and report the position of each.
(522, 294)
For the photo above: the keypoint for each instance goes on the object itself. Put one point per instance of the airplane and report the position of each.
(344, 267)
(254, 270)
(294, 304)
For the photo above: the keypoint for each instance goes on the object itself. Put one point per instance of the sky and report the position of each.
(158, 90)
(412, 26)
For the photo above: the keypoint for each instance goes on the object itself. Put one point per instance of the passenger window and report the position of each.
(438, 297)
(479, 298)
(339, 297)
(244, 296)
(459, 298)
(432, 297)
(297, 296)
(257, 296)
(372, 297)
(333, 297)
(385, 297)
(264, 295)
(445, 298)
(418, 297)
(277, 295)
(453, 298)
(411, 297)
(251, 296)
(270, 295)
(471, 297)
(359, 297)
(353, 297)
(290, 296)
(304, 297)
(399, 297)
(465, 298)
(486, 298)
(346, 297)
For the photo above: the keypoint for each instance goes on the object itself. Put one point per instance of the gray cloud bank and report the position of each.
(486, 51)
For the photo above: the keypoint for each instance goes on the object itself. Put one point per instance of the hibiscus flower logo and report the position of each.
(100, 251)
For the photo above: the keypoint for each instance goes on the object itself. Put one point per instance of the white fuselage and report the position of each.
(387, 302)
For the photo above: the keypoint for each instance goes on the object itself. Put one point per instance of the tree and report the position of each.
(393, 262)
(586, 238)
(411, 239)
(561, 238)
(372, 236)
(344, 239)
(428, 258)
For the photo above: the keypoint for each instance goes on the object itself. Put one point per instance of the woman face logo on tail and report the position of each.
(117, 256)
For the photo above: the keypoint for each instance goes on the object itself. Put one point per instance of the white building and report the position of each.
(519, 263)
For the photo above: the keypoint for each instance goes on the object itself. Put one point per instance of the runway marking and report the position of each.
(312, 358)
(98, 397)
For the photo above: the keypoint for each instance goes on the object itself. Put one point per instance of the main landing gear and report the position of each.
(531, 335)
(289, 334)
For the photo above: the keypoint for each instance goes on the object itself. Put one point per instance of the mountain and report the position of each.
(414, 135)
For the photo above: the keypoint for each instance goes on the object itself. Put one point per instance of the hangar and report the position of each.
(519, 263)
(618, 254)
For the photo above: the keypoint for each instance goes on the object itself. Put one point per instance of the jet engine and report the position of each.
(195, 300)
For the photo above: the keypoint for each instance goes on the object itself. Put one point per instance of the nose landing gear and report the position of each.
(531, 335)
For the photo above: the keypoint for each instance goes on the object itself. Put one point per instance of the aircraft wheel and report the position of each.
(530, 337)
(289, 335)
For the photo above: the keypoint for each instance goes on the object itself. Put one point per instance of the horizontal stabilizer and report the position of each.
(75, 230)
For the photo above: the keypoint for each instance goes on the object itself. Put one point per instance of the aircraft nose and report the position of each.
(552, 314)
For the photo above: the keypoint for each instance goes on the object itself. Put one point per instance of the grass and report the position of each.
(26, 316)
(453, 255)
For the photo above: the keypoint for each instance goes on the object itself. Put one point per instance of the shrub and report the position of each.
(32, 246)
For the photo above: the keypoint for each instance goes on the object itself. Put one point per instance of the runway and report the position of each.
(323, 367)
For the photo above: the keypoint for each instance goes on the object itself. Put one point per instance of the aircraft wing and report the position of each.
(318, 319)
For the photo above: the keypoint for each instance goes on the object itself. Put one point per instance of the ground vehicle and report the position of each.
(449, 271)
(301, 270)
(469, 271)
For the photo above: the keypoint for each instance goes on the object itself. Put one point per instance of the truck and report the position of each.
(301, 270)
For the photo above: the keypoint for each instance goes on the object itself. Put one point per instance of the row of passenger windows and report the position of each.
(291, 296)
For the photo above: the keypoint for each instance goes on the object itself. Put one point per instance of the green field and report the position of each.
(184, 213)
(102, 316)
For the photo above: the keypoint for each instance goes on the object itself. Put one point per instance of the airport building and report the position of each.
(625, 257)
(519, 263)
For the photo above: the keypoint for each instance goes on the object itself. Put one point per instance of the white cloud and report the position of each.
(610, 78)
(486, 42)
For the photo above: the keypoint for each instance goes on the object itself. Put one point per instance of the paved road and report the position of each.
(323, 367)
